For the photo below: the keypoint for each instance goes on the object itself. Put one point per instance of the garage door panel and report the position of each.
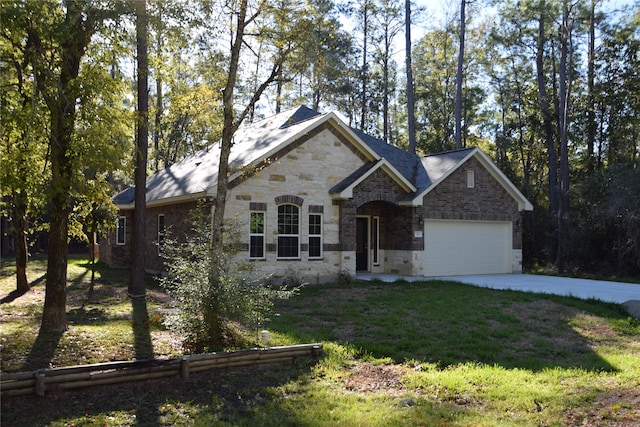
(467, 247)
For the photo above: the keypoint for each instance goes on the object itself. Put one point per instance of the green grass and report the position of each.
(433, 354)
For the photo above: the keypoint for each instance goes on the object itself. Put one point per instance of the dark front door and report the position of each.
(362, 244)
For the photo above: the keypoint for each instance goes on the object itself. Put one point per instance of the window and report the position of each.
(162, 232)
(121, 230)
(288, 232)
(375, 239)
(471, 179)
(315, 236)
(256, 235)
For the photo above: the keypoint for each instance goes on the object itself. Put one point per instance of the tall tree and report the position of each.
(80, 22)
(390, 21)
(136, 279)
(23, 137)
(459, 76)
(411, 128)
(242, 20)
(565, 81)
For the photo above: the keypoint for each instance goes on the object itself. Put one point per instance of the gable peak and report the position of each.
(297, 115)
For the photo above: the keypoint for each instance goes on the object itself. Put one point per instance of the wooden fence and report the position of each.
(37, 382)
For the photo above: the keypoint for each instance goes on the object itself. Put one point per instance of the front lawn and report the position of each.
(432, 353)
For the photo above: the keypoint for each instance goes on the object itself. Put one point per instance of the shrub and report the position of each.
(212, 291)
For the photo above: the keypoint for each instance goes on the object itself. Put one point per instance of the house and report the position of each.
(314, 195)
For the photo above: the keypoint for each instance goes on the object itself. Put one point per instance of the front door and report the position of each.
(362, 244)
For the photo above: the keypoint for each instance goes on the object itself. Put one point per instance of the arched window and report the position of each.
(288, 231)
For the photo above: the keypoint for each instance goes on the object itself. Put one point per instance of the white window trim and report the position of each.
(317, 235)
(161, 234)
(471, 178)
(124, 233)
(263, 234)
(297, 257)
(375, 235)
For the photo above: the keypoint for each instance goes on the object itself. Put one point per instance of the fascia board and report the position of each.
(348, 133)
(167, 201)
(397, 176)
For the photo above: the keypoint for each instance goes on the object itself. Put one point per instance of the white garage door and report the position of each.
(467, 247)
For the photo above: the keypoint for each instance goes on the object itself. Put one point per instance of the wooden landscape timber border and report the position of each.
(37, 382)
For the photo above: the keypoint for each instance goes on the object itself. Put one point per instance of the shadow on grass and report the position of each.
(42, 351)
(447, 323)
(141, 328)
(13, 295)
(220, 395)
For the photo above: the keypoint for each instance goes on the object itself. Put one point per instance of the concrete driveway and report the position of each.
(627, 294)
(566, 286)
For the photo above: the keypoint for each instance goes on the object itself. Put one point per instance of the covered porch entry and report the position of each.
(386, 236)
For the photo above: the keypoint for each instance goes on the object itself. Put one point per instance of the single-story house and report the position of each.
(315, 196)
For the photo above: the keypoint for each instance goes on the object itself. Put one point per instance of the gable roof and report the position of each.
(441, 165)
(196, 176)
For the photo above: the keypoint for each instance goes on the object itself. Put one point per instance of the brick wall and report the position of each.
(486, 201)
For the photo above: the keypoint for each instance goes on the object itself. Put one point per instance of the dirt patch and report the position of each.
(617, 408)
(367, 377)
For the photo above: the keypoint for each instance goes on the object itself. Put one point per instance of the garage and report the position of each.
(467, 247)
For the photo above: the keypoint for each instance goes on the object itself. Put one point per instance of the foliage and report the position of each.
(212, 291)
(607, 221)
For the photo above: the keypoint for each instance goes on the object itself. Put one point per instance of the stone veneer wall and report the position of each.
(300, 174)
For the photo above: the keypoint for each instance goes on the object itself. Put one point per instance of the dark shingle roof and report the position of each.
(198, 173)
(195, 175)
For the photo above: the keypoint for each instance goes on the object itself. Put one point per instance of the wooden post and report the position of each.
(184, 368)
(40, 385)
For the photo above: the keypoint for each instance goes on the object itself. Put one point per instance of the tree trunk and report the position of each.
(410, 103)
(231, 123)
(157, 133)
(229, 128)
(385, 82)
(365, 71)
(63, 113)
(591, 115)
(547, 119)
(458, 109)
(20, 232)
(136, 279)
(566, 51)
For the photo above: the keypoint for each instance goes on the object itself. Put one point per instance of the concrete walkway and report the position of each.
(621, 293)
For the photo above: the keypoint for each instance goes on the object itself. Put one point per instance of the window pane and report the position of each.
(120, 233)
(288, 246)
(315, 224)
(314, 247)
(257, 222)
(256, 235)
(256, 247)
(288, 219)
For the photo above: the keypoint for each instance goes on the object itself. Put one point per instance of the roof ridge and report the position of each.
(450, 151)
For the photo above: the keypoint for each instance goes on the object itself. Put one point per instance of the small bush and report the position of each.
(345, 278)
(212, 291)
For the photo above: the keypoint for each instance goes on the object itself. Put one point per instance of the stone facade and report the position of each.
(300, 176)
